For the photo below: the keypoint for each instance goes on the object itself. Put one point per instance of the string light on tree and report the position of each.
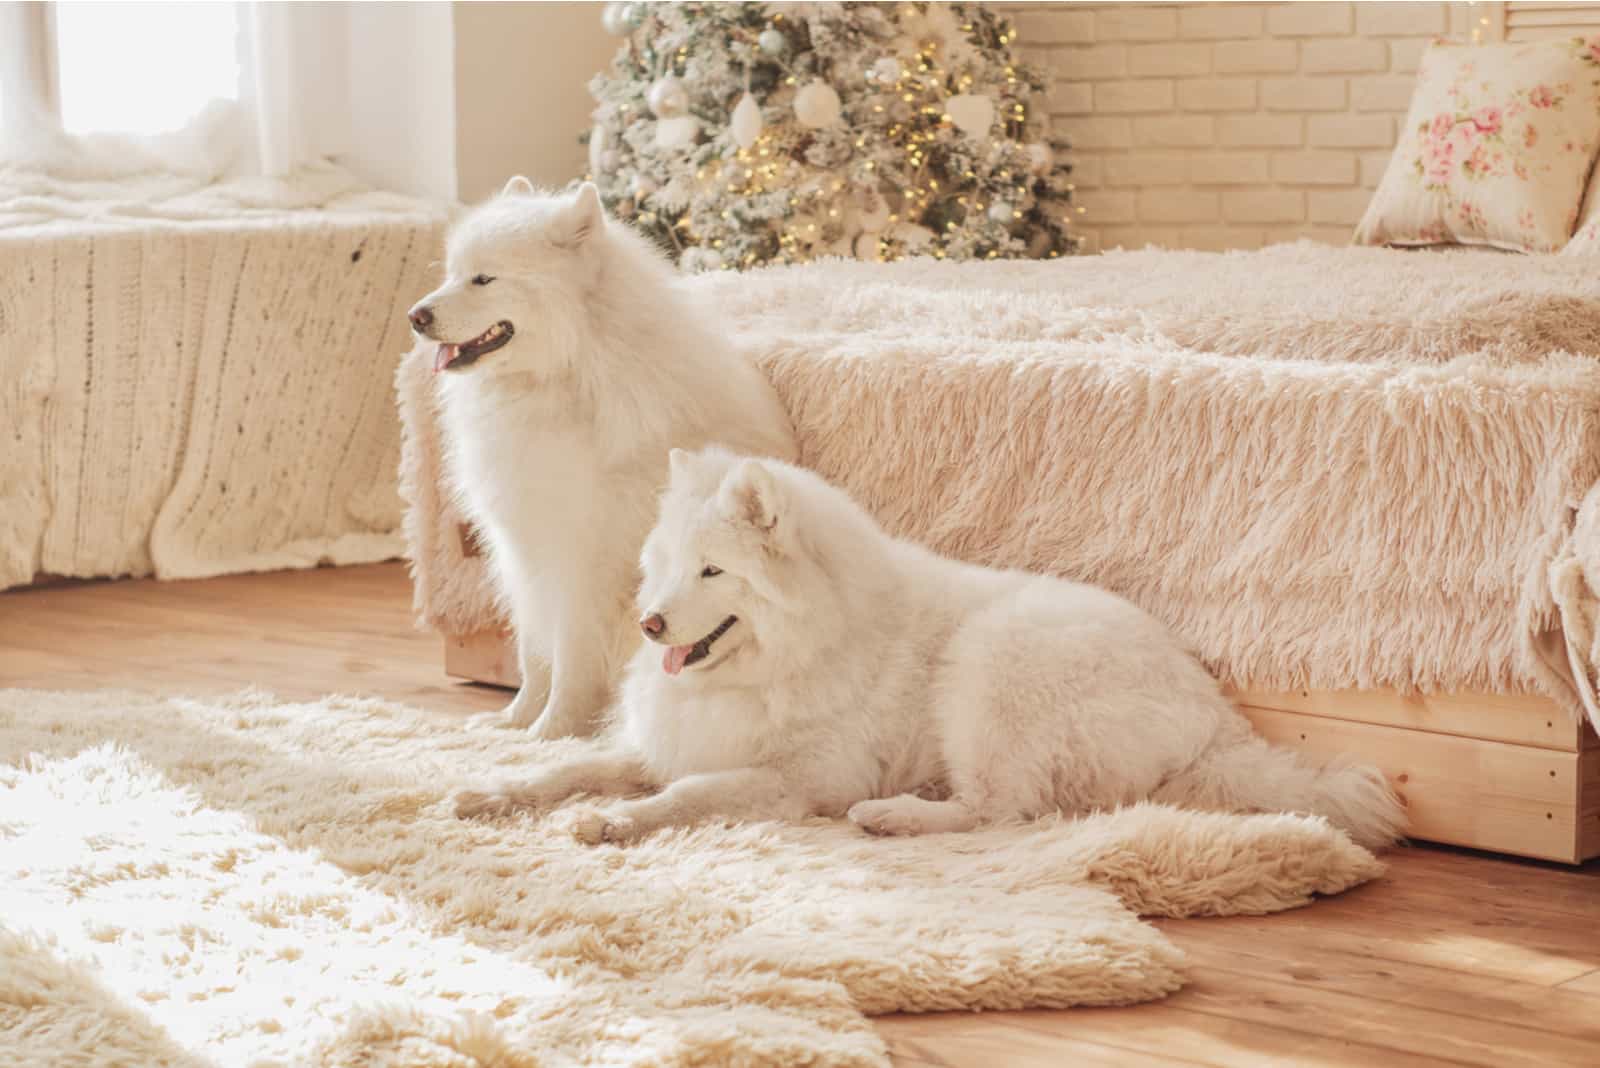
(742, 134)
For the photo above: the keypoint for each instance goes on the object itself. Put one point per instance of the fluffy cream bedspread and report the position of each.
(1324, 467)
(197, 376)
(242, 882)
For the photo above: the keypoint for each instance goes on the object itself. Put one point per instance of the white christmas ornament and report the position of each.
(746, 122)
(886, 71)
(667, 97)
(973, 113)
(866, 246)
(773, 42)
(817, 106)
(1001, 211)
(676, 132)
(615, 19)
(1040, 158)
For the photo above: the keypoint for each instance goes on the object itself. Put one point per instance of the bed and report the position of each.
(1360, 482)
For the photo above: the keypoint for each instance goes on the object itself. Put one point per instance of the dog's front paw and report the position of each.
(522, 712)
(498, 720)
(483, 804)
(565, 719)
(885, 817)
(592, 826)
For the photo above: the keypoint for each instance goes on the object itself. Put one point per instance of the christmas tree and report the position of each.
(742, 134)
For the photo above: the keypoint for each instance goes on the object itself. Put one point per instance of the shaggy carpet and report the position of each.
(238, 881)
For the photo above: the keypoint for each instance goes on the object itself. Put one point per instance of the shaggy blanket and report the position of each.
(1339, 468)
(241, 882)
(198, 376)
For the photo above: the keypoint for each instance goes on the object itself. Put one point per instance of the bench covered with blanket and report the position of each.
(198, 375)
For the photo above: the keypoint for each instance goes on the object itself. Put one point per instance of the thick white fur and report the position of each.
(868, 676)
(558, 441)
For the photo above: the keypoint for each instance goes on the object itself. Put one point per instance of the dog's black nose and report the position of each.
(421, 318)
(653, 625)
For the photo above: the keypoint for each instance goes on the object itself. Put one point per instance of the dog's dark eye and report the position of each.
(482, 279)
(711, 571)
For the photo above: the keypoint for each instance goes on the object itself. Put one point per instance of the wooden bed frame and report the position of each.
(1509, 774)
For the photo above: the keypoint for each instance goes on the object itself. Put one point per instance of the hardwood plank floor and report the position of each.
(1452, 958)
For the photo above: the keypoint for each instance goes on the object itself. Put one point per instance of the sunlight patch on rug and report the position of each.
(238, 880)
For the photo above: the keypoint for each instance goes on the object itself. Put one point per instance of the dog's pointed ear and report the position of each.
(517, 187)
(586, 216)
(751, 494)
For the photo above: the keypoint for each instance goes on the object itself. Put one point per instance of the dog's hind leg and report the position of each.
(604, 773)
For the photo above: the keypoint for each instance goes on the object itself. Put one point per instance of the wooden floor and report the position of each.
(1453, 958)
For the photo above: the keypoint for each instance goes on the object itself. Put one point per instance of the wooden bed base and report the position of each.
(1509, 774)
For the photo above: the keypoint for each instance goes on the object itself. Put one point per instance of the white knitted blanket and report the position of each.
(196, 378)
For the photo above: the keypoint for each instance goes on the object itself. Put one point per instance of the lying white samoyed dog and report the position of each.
(806, 663)
(571, 361)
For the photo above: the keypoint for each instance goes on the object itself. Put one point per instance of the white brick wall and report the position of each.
(1218, 125)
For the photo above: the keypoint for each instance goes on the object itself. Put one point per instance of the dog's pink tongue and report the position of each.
(444, 356)
(674, 657)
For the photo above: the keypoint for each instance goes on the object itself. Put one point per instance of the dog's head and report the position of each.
(518, 268)
(727, 581)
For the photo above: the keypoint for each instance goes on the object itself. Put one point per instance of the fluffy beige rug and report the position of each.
(239, 881)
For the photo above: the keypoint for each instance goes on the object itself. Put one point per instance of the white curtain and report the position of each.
(24, 77)
(294, 82)
(370, 86)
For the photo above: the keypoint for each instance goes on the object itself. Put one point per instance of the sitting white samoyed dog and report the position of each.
(809, 664)
(571, 361)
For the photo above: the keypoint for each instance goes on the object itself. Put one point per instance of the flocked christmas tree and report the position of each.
(740, 134)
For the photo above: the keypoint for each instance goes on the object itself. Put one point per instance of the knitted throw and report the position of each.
(198, 379)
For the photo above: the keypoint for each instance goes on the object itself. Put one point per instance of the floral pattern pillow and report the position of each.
(1495, 150)
(1586, 242)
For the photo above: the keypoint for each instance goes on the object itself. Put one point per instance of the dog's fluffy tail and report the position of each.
(1246, 774)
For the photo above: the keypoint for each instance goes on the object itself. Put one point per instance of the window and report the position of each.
(133, 68)
(143, 68)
